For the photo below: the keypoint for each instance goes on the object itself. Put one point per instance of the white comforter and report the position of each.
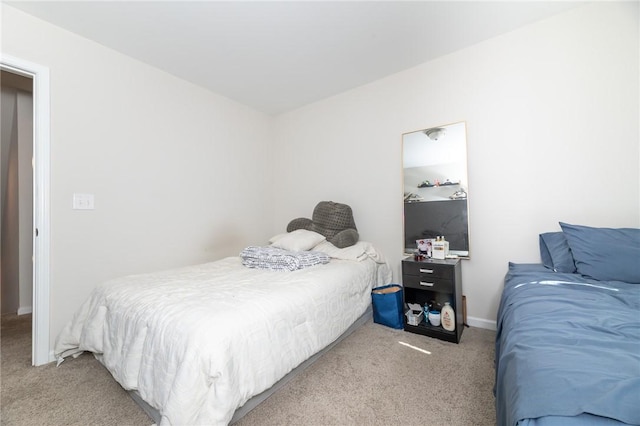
(198, 342)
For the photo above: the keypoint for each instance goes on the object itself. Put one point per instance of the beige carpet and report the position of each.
(79, 392)
(368, 379)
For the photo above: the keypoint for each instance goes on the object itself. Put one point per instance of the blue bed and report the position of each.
(568, 343)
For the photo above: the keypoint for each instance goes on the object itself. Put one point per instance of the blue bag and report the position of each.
(387, 305)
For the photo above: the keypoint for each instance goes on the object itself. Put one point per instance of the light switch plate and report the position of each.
(83, 202)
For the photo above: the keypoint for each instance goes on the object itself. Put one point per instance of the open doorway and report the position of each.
(16, 189)
(38, 230)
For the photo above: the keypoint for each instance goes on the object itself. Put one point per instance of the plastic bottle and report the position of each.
(448, 317)
(438, 248)
(446, 246)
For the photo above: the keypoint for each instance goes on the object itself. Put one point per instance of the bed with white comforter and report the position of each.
(198, 342)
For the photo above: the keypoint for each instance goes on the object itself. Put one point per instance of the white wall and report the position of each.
(180, 175)
(552, 113)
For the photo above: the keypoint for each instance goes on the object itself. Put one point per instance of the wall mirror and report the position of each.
(436, 187)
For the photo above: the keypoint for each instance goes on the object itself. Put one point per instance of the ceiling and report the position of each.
(276, 56)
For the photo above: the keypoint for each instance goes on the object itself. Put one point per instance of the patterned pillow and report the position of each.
(333, 220)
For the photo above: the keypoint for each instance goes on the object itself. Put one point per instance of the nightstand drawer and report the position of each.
(427, 270)
(428, 283)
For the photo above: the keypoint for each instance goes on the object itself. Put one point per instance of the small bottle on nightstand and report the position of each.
(439, 248)
(448, 317)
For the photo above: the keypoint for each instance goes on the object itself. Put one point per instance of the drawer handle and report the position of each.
(426, 271)
(426, 284)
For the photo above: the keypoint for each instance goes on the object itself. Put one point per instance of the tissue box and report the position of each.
(414, 317)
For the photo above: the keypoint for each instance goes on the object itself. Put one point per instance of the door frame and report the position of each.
(40, 352)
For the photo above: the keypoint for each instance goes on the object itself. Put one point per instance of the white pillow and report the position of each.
(298, 240)
(358, 252)
(277, 237)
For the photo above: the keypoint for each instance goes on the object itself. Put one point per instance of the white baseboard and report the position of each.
(481, 323)
(25, 310)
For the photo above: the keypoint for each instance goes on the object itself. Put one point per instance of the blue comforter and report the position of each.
(567, 345)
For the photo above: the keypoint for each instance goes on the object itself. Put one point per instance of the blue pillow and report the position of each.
(555, 252)
(605, 254)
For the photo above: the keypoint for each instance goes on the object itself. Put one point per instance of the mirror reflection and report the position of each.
(436, 187)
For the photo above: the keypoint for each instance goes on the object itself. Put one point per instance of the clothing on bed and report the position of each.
(567, 345)
(277, 259)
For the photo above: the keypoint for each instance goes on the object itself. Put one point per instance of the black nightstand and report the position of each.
(432, 279)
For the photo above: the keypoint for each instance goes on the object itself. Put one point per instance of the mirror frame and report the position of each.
(463, 185)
